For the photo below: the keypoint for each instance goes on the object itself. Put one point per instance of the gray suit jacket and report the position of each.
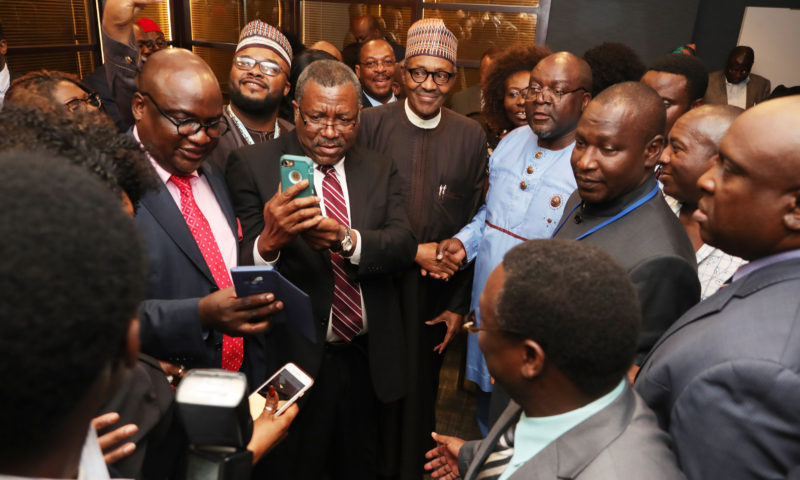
(758, 89)
(622, 441)
(724, 380)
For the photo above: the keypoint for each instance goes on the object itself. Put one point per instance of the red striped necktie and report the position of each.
(346, 318)
(232, 347)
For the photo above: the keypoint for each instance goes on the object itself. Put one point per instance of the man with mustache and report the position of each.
(375, 69)
(259, 79)
(342, 246)
(693, 144)
(441, 157)
(619, 207)
(530, 179)
(724, 379)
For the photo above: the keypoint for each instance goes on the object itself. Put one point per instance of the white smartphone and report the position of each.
(290, 382)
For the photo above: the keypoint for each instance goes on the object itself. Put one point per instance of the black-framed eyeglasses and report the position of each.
(156, 44)
(420, 74)
(318, 123)
(267, 67)
(554, 94)
(515, 94)
(471, 326)
(87, 103)
(374, 64)
(189, 126)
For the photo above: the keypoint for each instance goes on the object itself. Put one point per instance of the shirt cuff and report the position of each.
(355, 258)
(259, 260)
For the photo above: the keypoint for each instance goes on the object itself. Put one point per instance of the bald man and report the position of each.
(735, 85)
(327, 47)
(724, 380)
(619, 207)
(189, 227)
(530, 179)
(692, 145)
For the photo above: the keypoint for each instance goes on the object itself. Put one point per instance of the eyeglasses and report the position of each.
(267, 67)
(471, 326)
(440, 77)
(88, 103)
(534, 90)
(515, 94)
(317, 123)
(156, 44)
(189, 126)
(374, 64)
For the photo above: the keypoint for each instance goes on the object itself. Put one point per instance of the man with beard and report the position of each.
(259, 80)
(530, 179)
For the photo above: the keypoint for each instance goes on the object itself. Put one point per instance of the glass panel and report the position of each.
(220, 60)
(217, 20)
(45, 22)
(521, 3)
(159, 13)
(477, 31)
(79, 63)
(270, 11)
(331, 21)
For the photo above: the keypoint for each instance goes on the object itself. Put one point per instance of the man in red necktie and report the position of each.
(342, 246)
(192, 316)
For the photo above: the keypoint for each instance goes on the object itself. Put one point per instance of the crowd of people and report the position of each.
(620, 241)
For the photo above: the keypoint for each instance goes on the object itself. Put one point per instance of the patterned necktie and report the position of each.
(498, 460)
(232, 347)
(346, 319)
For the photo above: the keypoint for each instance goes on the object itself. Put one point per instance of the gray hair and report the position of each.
(327, 73)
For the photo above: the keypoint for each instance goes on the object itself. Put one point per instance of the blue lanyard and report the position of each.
(611, 220)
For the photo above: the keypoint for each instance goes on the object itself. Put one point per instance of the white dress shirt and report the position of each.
(737, 93)
(5, 83)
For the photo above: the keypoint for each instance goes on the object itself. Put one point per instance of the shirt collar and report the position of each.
(377, 103)
(740, 84)
(426, 124)
(615, 206)
(762, 262)
(162, 173)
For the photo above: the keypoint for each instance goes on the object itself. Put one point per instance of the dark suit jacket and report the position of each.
(622, 441)
(724, 380)
(758, 89)
(652, 245)
(387, 246)
(178, 278)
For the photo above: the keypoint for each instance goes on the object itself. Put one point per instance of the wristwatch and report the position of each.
(347, 243)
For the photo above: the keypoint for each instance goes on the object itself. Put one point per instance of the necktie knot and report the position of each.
(326, 169)
(183, 183)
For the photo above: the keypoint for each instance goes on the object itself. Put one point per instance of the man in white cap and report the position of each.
(441, 157)
(259, 80)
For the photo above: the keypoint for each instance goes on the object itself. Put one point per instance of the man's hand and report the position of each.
(118, 17)
(326, 234)
(441, 269)
(444, 457)
(285, 217)
(453, 321)
(224, 312)
(269, 430)
(110, 442)
(452, 251)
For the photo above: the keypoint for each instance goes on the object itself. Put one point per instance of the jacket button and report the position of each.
(523, 185)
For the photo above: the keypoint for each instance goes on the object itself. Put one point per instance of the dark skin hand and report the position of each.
(453, 322)
(449, 252)
(327, 234)
(433, 264)
(285, 217)
(113, 444)
(224, 312)
(444, 457)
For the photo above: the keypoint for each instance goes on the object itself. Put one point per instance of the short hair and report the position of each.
(84, 139)
(644, 103)
(327, 73)
(362, 45)
(40, 83)
(72, 276)
(750, 55)
(689, 67)
(578, 304)
(519, 58)
(612, 63)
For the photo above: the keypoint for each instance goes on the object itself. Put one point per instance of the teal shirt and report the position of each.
(532, 435)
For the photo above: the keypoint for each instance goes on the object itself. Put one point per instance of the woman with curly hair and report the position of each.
(505, 89)
(50, 89)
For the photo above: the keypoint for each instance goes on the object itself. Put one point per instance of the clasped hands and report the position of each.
(441, 260)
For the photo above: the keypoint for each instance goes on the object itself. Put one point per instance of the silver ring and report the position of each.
(269, 409)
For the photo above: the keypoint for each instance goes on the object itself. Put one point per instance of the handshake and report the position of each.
(441, 260)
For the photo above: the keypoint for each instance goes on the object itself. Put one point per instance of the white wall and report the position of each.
(774, 34)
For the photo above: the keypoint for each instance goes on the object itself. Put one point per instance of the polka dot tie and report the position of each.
(346, 319)
(232, 347)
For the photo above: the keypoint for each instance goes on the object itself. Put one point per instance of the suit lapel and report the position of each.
(221, 192)
(357, 190)
(510, 416)
(162, 207)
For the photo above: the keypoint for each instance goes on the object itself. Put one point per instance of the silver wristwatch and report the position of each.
(347, 243)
